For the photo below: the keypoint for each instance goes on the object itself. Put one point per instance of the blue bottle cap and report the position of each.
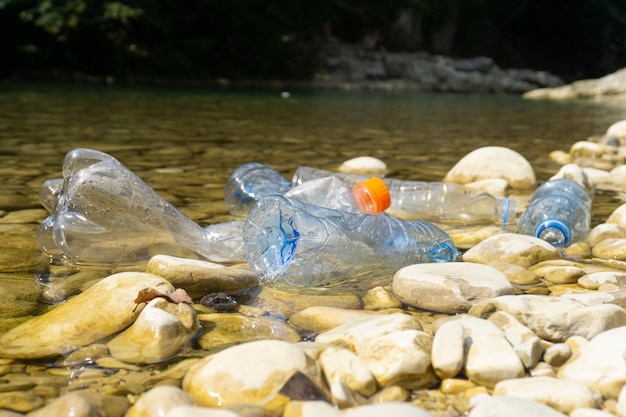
(554, 232)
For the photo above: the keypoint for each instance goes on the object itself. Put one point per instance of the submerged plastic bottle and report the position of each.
(559, 212)
(292, 243)
(253, 181)
(432, 201)
(103, 214)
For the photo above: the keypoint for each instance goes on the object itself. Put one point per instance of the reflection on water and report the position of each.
(185, 143)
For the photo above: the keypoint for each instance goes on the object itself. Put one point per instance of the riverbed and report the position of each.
(185, 142)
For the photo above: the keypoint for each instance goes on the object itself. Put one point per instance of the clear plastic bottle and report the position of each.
(432, 201)
(253, 181)
(104, 214)
(559, 212)
(292, 243)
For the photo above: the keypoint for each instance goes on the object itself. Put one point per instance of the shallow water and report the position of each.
(184, 143)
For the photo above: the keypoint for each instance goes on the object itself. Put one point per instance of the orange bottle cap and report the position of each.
(373, 196)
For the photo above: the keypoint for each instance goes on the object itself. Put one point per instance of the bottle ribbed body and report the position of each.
(432, 201)
(291, 243)
(559, 212)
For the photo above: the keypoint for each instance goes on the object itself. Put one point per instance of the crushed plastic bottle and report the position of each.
(104, 213)
(292, 243)
(253, 181)
(559, 212)
(432, 201)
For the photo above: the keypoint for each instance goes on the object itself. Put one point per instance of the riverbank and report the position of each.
(607, 88)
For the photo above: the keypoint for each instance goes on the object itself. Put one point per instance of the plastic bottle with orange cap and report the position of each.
(432, 201)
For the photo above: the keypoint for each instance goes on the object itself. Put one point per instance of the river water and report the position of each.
(185, 142)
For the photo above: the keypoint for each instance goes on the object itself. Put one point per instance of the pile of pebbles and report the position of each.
(516, 328)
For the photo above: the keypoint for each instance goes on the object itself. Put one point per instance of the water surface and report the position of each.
(185, 142)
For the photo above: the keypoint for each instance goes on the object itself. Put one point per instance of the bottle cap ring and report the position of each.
(554, 224)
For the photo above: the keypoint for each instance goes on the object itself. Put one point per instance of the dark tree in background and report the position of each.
(264, 39)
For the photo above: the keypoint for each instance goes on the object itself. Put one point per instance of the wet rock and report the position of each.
(159, 401)
(595, 155)
(599, 363)
(311, 409)
(512, 406)
(605, 231)
(447, 355)
(542, 369)
(283, 303)
(467, 237)
(378, 298)
(613, 248)
(621, 402)
(489, 356)
(618, 217)
(220, 302)
(343, 396)
(343, 365)
(575, 173)
(517, 275)
(396, 409)
(357, 333)
(70, 404)
(193, 411)
(391, 393)
(456, 386)
(199, 277)
(615, 133)
(252, 372)
(21, 401)
(161, 330)
(319, 409)
(526, 344)
(399, 358)
(79, 404)
(590, 412)
(493, 162)
(231, 328)
(364, 165)
(19, 296)
(102, 310)
(560, 394)
(497, 187)
(559, 274)
(512, 248)
(555, 318)
(321, 318)
(597, 279)
(451, 287)
(557, 354)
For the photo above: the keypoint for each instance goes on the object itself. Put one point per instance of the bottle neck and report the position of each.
(554, 232)
(364, 200)
(505, 210)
